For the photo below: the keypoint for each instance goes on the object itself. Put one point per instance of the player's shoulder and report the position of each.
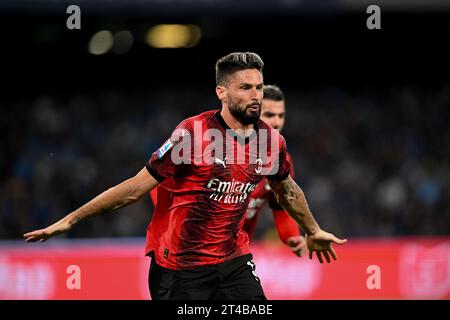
(289, 156)
(271, 132)
(202, 117)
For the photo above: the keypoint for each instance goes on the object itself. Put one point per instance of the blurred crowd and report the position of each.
(372, 161)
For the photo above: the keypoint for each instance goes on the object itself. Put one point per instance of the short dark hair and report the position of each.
(236, 61)
(273, 92)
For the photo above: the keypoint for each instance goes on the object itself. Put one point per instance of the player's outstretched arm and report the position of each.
(292, 198)
(125, 193)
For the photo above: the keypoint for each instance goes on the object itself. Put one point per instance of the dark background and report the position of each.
(368, 110)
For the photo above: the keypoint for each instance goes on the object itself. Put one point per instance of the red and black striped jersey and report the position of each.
(285, 225)
(206, 173)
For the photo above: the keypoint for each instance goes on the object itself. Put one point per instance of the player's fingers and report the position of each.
(333, 253)
(319, 256)
(301, 250)
(298, 251)
(32, 233)
(327, 256)
(297, 247)
(339, 241)
(34, 236)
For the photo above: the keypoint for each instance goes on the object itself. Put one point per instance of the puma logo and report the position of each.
(218, 161)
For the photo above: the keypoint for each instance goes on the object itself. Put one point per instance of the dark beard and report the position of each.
(242, 116)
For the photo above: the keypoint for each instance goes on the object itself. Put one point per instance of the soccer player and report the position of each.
(200, 249)
(273, 111)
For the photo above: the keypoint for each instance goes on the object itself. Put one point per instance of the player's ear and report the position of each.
(221, 92)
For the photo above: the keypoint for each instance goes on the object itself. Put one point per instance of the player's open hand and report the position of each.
(44, 234)
(297, 245)
(320, 242)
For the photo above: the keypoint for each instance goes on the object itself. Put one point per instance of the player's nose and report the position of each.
(276, 123)
(256, 94)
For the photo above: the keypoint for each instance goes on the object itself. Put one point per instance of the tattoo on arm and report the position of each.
(286, 191)
(291, 198)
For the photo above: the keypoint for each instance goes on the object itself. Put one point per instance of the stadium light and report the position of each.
(173, 36)
(101, 42)
(123, 40)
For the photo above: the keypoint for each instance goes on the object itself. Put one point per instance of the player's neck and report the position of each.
(235, 124)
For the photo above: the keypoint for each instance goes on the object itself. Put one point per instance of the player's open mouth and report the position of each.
(253, 108)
